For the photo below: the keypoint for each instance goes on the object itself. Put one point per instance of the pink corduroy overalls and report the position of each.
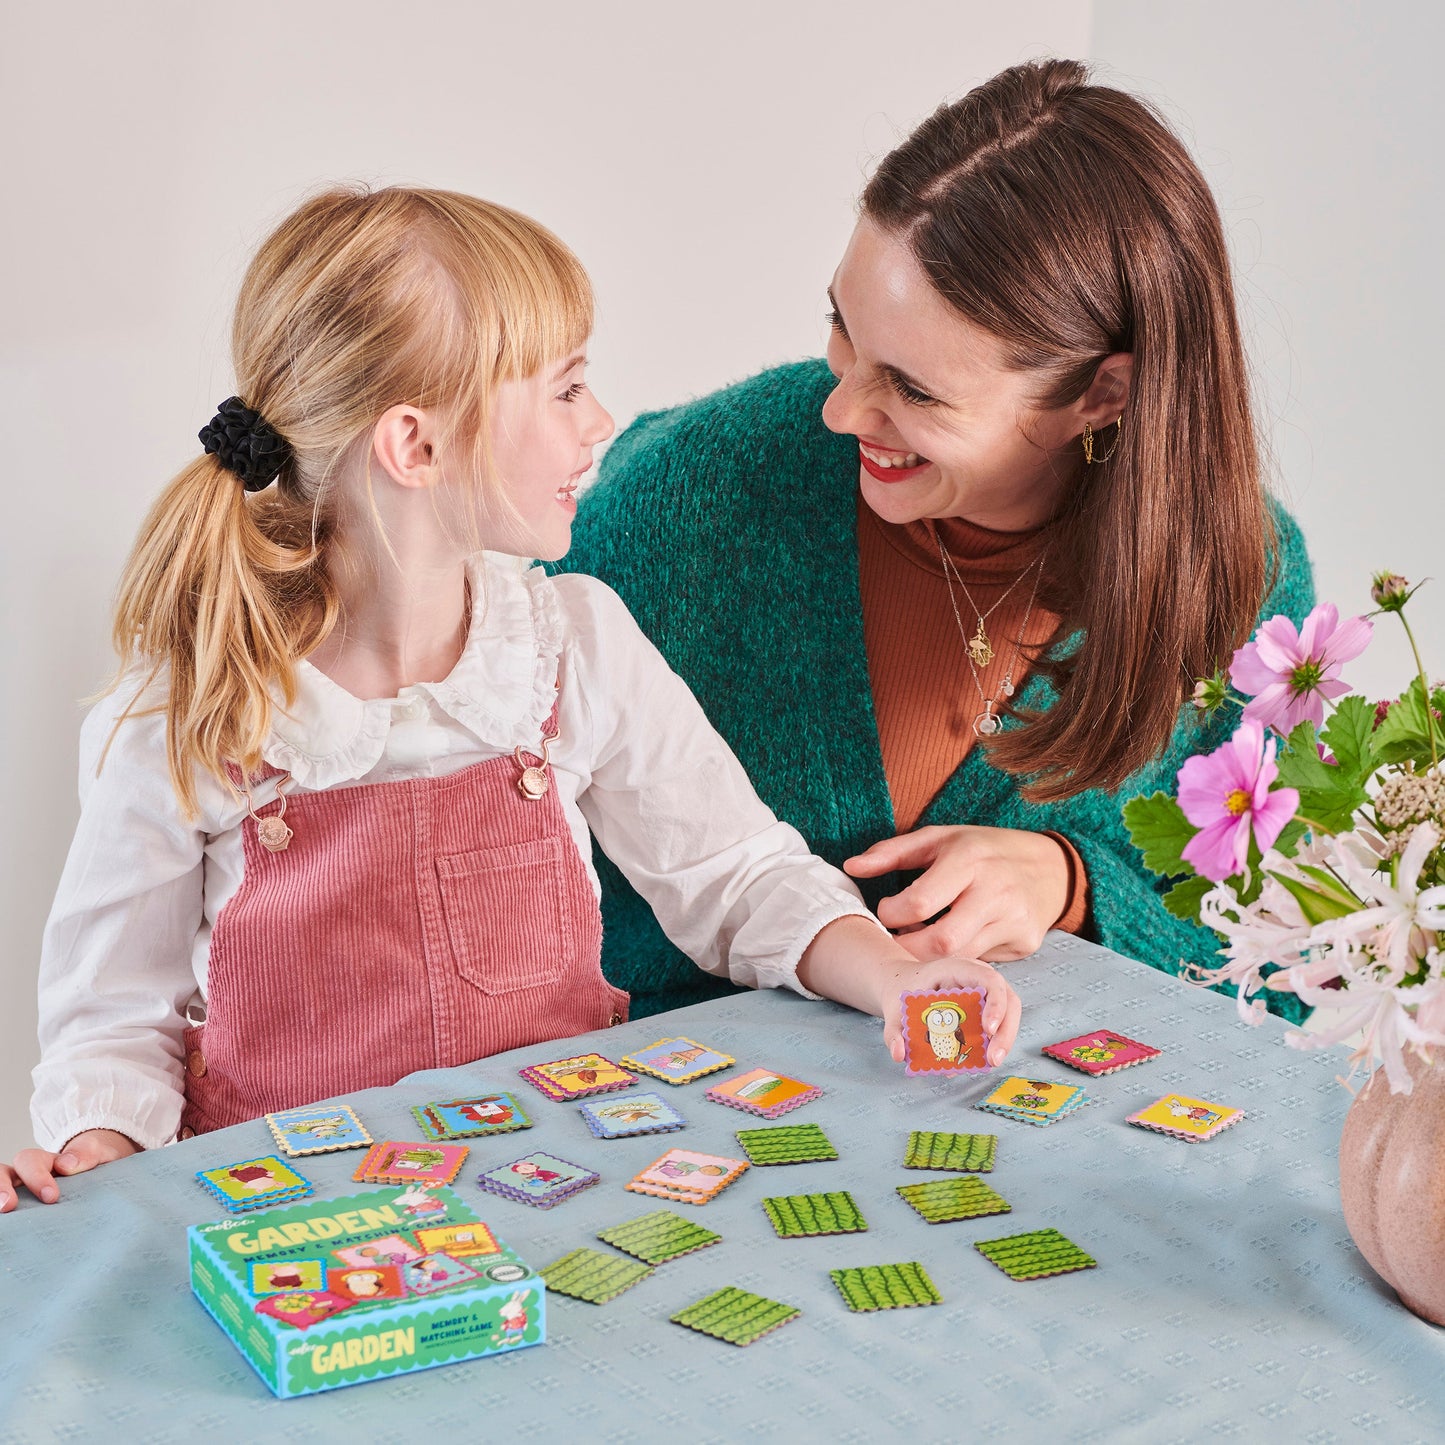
(409, 925)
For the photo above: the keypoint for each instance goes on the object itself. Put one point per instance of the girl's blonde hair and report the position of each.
(359, 301)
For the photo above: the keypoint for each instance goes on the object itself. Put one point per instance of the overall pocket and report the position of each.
(507, 915)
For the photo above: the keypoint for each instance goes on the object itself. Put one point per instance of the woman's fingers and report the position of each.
(908, 850)
(945, 883)
(957, 932)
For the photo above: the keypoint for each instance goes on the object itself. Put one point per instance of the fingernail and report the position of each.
(67, 1161)
(49, 1194)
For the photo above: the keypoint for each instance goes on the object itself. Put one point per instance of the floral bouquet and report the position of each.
(1314, 847)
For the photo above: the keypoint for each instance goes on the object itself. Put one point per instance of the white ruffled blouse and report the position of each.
(126, 946)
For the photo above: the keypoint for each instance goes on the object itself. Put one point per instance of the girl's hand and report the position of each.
(999, 890)
(38, 1170)
(1001, 1009)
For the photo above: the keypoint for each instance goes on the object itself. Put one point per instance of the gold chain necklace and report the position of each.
(980, 649)
(988, 721)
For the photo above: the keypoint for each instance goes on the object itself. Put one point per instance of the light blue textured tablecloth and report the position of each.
(1228, 1299)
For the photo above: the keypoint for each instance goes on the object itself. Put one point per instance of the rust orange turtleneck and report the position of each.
(926, 694)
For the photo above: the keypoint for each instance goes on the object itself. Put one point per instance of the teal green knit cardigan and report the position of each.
(727, 525)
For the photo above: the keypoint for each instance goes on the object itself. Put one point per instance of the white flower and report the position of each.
(1392, 929)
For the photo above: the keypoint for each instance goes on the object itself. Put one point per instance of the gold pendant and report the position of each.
(988, 722)
(979, 648)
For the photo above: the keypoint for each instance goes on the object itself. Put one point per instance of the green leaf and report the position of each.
(1404, 735)
(1183, 899)
(1349, 735)
(1331, 887)
(1159, 830)
(1289, 837)
(1327, 792)
(1315, 906)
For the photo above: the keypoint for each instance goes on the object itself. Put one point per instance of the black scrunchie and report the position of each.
(244, 444)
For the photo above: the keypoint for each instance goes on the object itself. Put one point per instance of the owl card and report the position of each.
(943, 1032)
(382, 1281)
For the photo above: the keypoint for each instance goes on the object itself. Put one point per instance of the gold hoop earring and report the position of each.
(1089, 457)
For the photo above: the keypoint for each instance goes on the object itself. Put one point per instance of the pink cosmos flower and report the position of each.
(1226, 795)
(1288, 674)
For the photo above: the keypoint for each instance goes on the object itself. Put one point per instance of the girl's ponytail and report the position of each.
(224, 591)
(358, 301)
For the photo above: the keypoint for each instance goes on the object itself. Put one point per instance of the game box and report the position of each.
(332, 1292)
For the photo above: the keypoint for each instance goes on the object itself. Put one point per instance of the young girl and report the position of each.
(335, 812)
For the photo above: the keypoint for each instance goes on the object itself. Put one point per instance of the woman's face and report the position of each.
(944, 427)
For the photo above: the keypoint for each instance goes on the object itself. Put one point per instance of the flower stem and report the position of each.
(1425, 688)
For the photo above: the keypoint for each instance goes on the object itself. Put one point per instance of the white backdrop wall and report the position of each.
(702, 160)
(1319, 124)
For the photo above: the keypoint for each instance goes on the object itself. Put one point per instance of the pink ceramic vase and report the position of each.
(1392, 1185)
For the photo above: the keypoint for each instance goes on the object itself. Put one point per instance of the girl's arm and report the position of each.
(732, 886)
(116, 969)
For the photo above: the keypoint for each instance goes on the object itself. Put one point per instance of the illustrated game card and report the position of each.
(631, 1114)
(434, 1272)
(255, 1183)
(1100, 1052)
(687, 1177)
(302, 1308)
(393, 1249)
(1034, 1101)
(317, 1129)
(304, 1274)
(461, 1241)
(761, 1092)
(576, 1078)
(1184, 1118)
(404, 1162)
(472, 1118)
(677, 1061)
(943, 1032)
(542, 1180)
(382, 1281)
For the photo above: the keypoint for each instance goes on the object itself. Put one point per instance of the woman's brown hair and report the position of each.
(1068, 221)
(358, 301)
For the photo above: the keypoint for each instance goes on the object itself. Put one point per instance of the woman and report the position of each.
(947, 596)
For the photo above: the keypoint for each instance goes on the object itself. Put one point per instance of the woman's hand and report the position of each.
(38, 1169)
(999, 890)
(1001, 1007)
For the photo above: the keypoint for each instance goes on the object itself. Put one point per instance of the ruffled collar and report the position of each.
(502, 688)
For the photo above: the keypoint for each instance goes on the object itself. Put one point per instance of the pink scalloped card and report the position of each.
(1192, 1119)
(1100, 1052)
(943, 1031)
